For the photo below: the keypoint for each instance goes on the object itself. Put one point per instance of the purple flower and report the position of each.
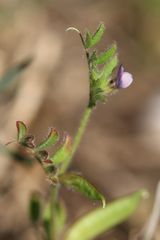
(124, 79)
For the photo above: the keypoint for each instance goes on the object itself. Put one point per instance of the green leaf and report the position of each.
(109, 67)
(91, 41)
(63, 152)
(22, 131)
(78, 183)
(88, 40)
(59, 218)
(47, 221)
(98, 95)
(95, 73)
(93, 58)
(104, 57)
(99, 81)
(100, 220)
(50, 140)
(9, 76)
(35, 208)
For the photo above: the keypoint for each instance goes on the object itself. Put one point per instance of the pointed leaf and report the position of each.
(104, 57)
(35, 208)
(50, 140)
(63, 152)
(22, 130)
(100, 220)
(109, 67)
(80, 184)
(91, 42)
(10, 76)
(88, 40)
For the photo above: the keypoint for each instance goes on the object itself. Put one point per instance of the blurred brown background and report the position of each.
(120, 150)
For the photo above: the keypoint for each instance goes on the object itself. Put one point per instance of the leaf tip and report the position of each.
(20, 123)
(21, 129)
(50, 140)
(68, 141)
(53, 132)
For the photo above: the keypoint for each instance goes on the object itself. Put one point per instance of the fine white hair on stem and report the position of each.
(149, 230)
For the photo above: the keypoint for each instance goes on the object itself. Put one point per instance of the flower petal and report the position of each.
(125, 80)
(120, 72)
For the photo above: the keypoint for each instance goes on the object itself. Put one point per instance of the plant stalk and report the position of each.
(78, 137)
(53, 201)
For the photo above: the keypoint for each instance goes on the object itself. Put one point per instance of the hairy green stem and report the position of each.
(81, 130)
(53, 201)
(85, 117)
(78, 137)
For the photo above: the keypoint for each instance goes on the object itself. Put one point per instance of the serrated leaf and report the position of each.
(91, 41)
(35, 208)
(63, 152)
(50, 140)
(108, 68)
(104, 57)
(80, 184)
(10, 76)
(22, 130)
(100, 220)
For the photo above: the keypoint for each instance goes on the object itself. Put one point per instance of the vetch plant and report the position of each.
(51, 215)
